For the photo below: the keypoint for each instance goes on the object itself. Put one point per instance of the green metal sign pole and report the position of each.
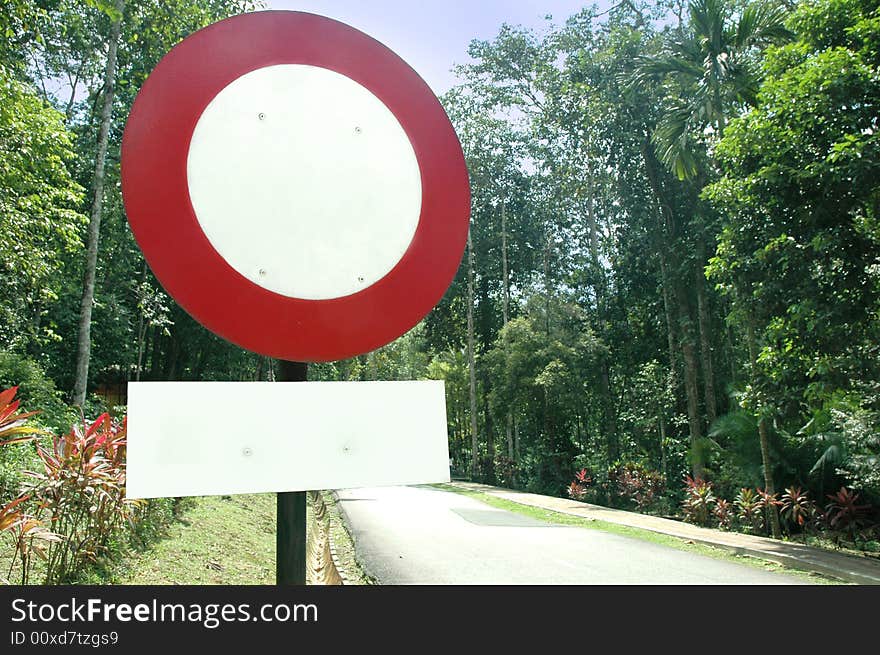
(290, 531)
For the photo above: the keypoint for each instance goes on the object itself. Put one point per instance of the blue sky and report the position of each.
(431, 35)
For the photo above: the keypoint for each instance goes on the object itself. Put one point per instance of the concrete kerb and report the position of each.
(806, 558)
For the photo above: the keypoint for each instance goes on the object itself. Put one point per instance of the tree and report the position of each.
(39, 221)
(713, 64)
(800, 242)
(84, 343)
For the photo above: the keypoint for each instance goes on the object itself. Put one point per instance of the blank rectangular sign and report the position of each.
(208, 438)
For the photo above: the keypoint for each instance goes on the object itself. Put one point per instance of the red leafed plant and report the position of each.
(698, 501)
(769, 503)
(748, 509)
(845, 513)
(723, 513)
(82, 488)
(636, 484)
(70, 512)
(28, 533)
(797, 508)
(13, 427)
(578, 488)
(577, 491)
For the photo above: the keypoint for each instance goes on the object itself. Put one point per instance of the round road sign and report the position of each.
(295, 186)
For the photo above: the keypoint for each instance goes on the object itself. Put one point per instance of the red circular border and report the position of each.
(155, 191)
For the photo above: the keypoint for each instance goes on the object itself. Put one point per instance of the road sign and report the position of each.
(292, 437)
(295, 186)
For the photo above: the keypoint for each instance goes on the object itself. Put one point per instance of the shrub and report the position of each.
(749, 509)
(796, 508)
(505, 470)
(769, 503)
(578, 489)
(723, 513)
(35, 389)
(845, 514)
(637, 485)
(699, 501)
(82, 488)
(27, 532)
(72, 514)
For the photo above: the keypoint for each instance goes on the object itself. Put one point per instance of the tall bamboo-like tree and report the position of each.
(714, 62)
(88, 295)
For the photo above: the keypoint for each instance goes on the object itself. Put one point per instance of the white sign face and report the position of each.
(208, 438)
(304, 181)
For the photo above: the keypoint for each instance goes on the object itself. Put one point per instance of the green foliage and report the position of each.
(749, 510)
(799, 246)
(39, 221)
(711, 70)
(36, 389)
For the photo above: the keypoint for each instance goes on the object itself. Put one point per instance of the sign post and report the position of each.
(262, 135)
(290, 514)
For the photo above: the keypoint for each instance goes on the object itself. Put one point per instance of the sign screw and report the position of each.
(261, 115)
(357, 130)
(262, 272)
(247, 452)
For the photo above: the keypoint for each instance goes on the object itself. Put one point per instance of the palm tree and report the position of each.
(713, 65)
(711, 69)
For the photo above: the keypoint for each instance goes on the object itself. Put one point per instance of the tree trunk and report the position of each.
(505, 315)
(705, 338)
(600, 289)
(670, 322)
(488, 429)
(685, 328)
(85, 321)
(689, 355)
(471, 366)
(763, 435)
(661, 422)
(546, 265)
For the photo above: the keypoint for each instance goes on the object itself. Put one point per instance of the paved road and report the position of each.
(420, 535)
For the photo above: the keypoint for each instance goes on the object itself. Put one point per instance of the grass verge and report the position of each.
(219, 540)
(558, 518)
(227, 540)
(343, 545)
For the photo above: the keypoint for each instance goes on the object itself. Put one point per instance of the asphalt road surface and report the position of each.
(421, 535)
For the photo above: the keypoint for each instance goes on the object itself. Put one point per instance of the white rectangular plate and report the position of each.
(208, 438)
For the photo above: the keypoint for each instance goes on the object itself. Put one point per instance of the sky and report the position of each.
(431, 35)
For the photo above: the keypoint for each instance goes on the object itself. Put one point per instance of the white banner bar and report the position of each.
(209, 438)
